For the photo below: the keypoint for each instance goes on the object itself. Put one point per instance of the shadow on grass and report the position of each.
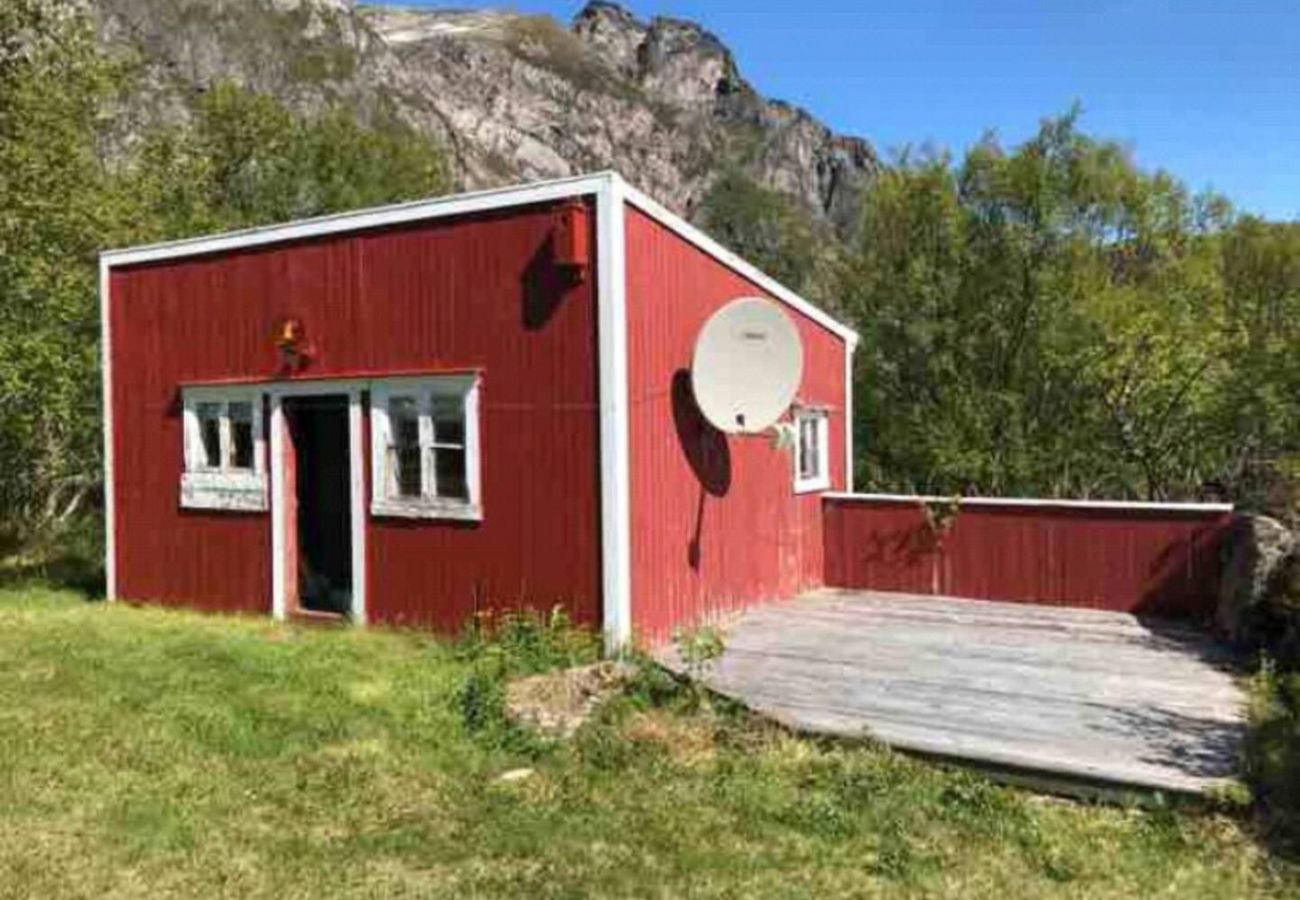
(70, 571)
(70, 557)
(1272, 760)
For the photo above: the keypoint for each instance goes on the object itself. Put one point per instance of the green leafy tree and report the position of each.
(1050, 319)
(762, 226)
(1261, 266)
(57, 207)
(247, 160)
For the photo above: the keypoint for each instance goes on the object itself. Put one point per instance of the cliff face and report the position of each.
(513, 97)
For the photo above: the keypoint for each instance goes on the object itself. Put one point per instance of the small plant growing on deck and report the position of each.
(941, 515)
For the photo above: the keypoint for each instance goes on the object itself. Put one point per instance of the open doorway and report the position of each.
(319, 484)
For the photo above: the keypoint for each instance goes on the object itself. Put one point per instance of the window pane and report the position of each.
(404, 451)
(809, 451)
(449, 421)
(210, 433)
(449, 466)
(241, 435)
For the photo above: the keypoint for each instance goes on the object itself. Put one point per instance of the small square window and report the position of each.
(224, 452)
(425, 447)
(811, 450)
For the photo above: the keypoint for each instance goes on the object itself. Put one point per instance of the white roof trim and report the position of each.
(378, 217)
(1038, 502)
(685, 230)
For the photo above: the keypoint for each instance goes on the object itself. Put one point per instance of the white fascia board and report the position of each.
(379, 217)
(106, 379)
(615, 466)
(1133, 505)
(693, 235)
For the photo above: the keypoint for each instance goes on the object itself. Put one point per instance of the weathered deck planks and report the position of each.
(1098, 697)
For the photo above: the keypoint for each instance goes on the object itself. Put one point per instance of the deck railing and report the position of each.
(1160, 559)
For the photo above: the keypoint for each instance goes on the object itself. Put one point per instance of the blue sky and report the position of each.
(1208, 89)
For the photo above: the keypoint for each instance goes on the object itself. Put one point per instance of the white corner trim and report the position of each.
(693, 235)
(356, 466)
(615, 466)
(279, 519)
(850, 349)
(106, 378)
(1135, 505)
(378, 217)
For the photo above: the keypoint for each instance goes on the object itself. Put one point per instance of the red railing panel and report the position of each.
(1158, 559)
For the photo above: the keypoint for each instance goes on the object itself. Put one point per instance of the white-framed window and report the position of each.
(812, 456)
(425, 447)
(225, 449)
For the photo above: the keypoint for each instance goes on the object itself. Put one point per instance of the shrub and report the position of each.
(528, 642)
(502, 646)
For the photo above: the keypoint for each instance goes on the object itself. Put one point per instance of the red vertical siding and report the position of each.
(1150, 561)
(476, 292)
(715, 522)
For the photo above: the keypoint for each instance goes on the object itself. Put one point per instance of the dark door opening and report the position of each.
(318, 430)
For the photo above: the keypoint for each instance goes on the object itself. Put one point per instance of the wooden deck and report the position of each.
(1100, 699)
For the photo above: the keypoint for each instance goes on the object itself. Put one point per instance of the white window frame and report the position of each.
(424, 389)
(821, 419)
(223, 487)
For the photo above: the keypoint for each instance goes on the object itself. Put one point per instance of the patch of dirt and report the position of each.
(687, 742)
(559, 702)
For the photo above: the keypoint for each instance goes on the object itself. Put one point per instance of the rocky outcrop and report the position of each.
(1259, 596)
(514, 97)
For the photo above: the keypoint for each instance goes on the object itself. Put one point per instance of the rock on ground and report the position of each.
(1253, 595)
(560, 702)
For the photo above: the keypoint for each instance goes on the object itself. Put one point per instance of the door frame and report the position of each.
(281, 571)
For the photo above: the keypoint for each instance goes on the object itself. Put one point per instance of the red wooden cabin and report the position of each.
(410, 414)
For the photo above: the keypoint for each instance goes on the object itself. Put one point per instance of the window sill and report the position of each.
(812, 486)
(224, 491)
(426, 509)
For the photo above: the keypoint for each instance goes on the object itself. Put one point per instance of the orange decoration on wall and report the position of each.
(291, 341)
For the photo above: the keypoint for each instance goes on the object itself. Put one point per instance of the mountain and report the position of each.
(513, 97)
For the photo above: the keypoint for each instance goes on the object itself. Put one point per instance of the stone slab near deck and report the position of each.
(1070, 697)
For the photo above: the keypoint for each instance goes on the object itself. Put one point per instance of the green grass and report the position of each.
(1273, 752)
(151, 753)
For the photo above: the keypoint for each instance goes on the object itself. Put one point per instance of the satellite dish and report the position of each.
(748, 365)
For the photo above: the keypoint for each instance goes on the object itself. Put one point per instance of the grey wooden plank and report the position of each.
(1097, 672)
(1022, 684)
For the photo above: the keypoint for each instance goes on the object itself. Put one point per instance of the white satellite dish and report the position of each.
(748, 365)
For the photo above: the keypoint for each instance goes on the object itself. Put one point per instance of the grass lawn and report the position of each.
(154, 754)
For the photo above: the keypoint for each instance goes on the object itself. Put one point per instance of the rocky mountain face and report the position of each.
(513, 97)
